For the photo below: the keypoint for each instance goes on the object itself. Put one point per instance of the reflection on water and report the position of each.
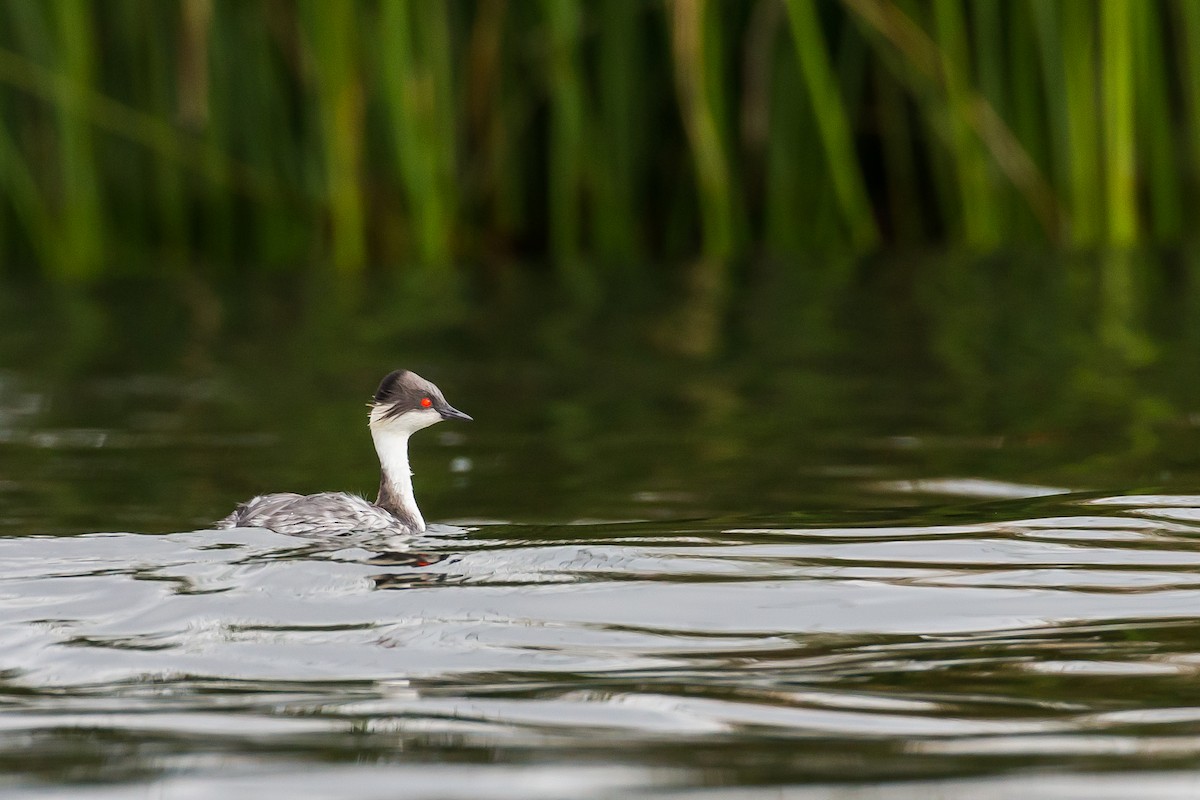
(927, 537)
(655, 654)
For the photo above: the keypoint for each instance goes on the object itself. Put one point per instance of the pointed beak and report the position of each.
(449, 412)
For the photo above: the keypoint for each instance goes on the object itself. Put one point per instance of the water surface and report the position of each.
(878, 544)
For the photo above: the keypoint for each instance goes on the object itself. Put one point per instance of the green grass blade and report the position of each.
(1155, 128)
(1078, 47)
(1116, 89)
(621, 133)
(832, 123)
(331, 33)
(698, 107)
(417, 92)
(82, 219)
(1187, 14)
(564, 21)
(980, 223)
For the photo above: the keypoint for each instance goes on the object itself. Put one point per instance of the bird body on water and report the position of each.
(404, 404)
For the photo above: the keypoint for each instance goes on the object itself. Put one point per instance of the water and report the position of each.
(878, 544)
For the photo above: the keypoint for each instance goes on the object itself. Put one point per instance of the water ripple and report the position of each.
(999, 640)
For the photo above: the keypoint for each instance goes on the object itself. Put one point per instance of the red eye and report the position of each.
(426, 402)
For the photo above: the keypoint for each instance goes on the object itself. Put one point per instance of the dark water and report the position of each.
(920, 531)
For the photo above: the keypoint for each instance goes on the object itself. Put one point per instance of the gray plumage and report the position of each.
(404, 403)
(323, 514)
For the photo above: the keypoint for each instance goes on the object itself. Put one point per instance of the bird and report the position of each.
(404, 404)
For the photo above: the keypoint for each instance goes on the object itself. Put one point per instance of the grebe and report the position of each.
(404, 404)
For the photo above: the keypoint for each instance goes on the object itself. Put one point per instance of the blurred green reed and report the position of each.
(415, 136)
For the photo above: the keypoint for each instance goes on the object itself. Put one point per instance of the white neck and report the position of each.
(395, 485)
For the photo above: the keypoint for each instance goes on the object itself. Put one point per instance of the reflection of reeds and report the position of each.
(596, 132)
